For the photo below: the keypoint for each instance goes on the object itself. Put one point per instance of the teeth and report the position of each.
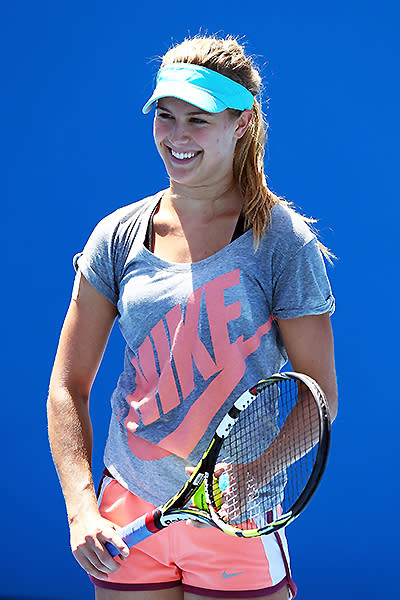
(182, 155)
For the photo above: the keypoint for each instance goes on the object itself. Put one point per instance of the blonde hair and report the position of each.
(227, 56)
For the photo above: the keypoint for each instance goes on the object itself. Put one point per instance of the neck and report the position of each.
(210, 200)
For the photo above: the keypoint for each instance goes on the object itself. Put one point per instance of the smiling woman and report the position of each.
(215, 282)
(203, 143)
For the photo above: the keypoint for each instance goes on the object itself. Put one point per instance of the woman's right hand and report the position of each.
(89, 533)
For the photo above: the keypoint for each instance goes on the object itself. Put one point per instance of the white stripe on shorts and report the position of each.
(104, 484)
(273, 553)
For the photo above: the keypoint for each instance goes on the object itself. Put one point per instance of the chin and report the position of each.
(183, 180)
(179, 176)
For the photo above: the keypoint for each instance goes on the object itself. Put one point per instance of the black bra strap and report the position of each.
(239, 229)
(148, 241)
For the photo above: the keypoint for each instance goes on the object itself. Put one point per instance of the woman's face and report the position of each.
(197, 147)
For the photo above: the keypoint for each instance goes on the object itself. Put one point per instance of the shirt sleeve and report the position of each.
(96, 263)
(302, 288)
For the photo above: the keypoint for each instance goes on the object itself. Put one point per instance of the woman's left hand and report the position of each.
(219, 469)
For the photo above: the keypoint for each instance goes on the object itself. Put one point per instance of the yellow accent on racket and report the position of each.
(199, 498)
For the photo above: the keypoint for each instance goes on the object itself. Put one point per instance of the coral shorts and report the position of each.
(204, 560)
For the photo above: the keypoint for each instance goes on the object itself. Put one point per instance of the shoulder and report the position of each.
(103, 257)
(286, 221)
(288, 232)
(117, 230)
(123, 217)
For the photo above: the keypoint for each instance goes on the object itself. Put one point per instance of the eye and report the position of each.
(198, 121)
(164, 115)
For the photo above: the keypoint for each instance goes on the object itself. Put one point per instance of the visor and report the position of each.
(201, 87)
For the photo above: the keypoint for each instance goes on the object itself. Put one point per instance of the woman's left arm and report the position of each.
(309, 343)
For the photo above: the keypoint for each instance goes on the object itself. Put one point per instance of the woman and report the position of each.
(215, 282)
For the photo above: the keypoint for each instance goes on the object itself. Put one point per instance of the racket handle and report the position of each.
(135, 532)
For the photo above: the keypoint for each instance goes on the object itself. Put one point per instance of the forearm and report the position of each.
(309, 344)
(296, 424)
(82, 343)
(298, 435)
(70, 435)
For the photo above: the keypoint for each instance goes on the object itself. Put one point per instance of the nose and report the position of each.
(178, 133)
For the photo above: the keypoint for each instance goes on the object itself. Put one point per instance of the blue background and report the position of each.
(75, 146)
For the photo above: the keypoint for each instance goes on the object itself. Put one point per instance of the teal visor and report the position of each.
(201, 87)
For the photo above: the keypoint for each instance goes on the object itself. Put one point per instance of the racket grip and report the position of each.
(135, 532)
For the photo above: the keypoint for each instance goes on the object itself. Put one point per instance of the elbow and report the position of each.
(62, 399)
(333, 410)
(332, 400)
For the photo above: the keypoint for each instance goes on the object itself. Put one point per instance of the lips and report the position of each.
(183, 156)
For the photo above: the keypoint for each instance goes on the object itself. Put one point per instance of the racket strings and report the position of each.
(269, 455)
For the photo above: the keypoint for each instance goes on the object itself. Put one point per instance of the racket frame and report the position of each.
(224, 428)
(174, 510)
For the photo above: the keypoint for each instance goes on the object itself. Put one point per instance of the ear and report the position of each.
(242, 123)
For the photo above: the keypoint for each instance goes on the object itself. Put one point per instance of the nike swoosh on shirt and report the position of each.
(226, 575)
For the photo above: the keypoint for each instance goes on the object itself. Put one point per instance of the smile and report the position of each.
(183, 155)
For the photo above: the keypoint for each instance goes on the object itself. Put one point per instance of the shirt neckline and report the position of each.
(181, 266)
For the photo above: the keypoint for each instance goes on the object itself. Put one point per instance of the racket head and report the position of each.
(273, 446)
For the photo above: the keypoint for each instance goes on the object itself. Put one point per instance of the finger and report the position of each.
(99, 556)
(219, 469)
(198, 524)
(119, 544)
(111, 563)
(90, 562)
(223, 513)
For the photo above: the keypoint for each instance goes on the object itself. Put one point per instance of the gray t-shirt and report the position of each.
(197, 335)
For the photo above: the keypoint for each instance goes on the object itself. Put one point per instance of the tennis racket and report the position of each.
(270, 452)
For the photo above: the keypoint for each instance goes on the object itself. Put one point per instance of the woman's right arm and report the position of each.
(83, 339)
